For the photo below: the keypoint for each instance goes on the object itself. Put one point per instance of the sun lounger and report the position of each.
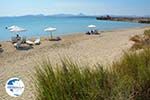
(55, 39)
(88, 33)
(18, 44)
(37, 42)
(96, 32)
(29, 42)
(22, 46)
(93, 32)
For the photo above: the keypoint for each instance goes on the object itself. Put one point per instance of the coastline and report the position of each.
(67, 40)
(145, 20)
(103, 49)
(78, 33)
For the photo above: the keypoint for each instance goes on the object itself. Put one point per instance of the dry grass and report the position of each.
(147, 33)
(141, 41)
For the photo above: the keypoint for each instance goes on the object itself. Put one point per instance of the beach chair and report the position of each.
(17, 45)
(96, 32)
(30, 43)
(37, 42)
(88, 33)
(55, 39)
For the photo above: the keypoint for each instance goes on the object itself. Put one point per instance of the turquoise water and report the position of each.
(35, 25)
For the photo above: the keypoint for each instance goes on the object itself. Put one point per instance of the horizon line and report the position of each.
(72, 14)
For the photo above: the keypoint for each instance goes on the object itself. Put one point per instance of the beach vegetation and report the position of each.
(147, 33)
(141, 41)
(127, 79)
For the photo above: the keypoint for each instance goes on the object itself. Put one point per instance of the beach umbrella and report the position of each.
(91, 26)
(50, 29)
(16, 29)
(12, 27)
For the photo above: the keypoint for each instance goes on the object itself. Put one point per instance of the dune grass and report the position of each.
(141, 41)
(133, 73)
(129, 79)
(147, 33)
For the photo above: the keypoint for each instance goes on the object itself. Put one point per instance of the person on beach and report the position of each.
(18, 37)
(1, 50)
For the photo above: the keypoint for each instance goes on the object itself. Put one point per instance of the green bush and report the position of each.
(129, 79)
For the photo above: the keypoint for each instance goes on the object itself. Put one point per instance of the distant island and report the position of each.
(145, 20)
(54, 15)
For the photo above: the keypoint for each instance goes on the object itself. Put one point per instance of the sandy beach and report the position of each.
(88, 49)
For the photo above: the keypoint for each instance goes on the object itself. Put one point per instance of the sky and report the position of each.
(89, 7)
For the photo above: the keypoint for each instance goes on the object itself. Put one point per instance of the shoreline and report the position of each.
(88, 49)
(67, 40)
(76, 33)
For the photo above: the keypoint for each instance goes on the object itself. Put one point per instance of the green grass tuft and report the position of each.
(129, 79)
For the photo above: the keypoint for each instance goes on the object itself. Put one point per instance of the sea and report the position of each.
(35, 25)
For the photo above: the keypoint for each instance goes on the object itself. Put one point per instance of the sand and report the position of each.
(88, 49)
